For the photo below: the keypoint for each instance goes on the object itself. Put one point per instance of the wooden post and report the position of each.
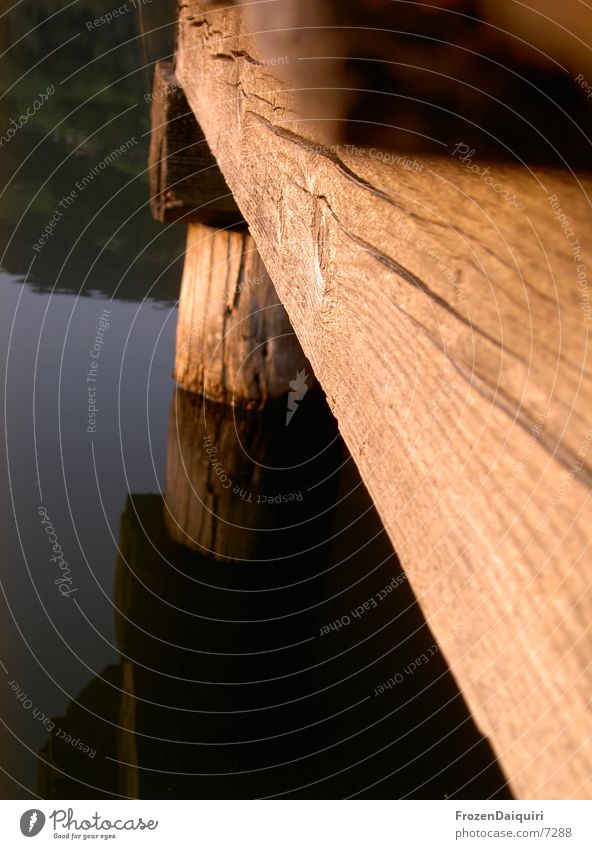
(235, 343)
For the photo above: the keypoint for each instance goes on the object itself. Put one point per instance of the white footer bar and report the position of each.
(298, 824)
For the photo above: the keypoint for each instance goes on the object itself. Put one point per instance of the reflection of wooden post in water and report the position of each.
(171, 606)
(127, 752)
(235, 478)
(80, 758)
(108, 712)
(166, 723)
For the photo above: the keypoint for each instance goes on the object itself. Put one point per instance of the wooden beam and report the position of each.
(185, 182)
(445, 306)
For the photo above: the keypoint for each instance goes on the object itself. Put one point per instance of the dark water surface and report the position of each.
(150, 667)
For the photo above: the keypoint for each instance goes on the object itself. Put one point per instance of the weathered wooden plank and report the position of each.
(185, 182)
(445, 307)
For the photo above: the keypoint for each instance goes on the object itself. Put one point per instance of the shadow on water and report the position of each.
(260, 675)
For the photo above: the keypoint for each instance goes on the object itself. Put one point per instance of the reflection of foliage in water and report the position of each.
(98, 105)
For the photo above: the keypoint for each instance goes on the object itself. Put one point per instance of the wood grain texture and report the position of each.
(238, 480)
(185, 182)
(235, 343)
(444, 317)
